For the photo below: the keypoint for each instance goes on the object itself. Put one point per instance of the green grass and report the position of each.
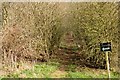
(41, 70)
(85, 75)
(77, 75)
(44, 70)
(71, 68)
(1, 77)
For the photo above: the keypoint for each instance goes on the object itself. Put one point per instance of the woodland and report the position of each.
(58, 39)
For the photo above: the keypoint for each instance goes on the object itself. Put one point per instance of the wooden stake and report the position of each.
(108, 68)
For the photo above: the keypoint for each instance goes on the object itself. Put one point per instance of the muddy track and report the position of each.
(68, 56)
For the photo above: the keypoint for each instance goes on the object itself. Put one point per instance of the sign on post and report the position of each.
(106, 47)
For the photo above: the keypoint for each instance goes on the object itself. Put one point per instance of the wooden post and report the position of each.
(108, 68)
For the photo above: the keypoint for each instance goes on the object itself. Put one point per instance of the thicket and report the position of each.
(95, 23)
(34, 30)
(30, 31)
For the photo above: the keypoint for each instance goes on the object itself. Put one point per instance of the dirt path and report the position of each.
(58, 74)
(67, 57)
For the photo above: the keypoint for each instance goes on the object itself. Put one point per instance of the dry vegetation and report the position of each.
(34, 31)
